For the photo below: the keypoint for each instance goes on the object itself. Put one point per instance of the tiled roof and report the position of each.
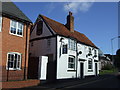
(62, 30)
(11, 9)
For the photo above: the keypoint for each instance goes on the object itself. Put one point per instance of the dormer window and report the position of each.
(39, 28)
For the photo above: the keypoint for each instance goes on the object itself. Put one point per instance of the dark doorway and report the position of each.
(82, 70)
(33, 64)
(96, 73)
(51, 69)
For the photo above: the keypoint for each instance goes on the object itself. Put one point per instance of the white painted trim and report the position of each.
(20, 60)
(1, 24)
(16, 28)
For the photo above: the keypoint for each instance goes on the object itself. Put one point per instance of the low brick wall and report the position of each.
(19, 84)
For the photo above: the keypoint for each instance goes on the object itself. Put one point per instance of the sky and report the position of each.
(97, 20)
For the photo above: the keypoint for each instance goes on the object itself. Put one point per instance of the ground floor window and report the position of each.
(71, 62)
(90, 64)
(14, 61)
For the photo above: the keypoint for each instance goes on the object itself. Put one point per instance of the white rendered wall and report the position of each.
(62, 61)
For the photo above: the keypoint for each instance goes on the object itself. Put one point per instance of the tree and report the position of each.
(117, 59)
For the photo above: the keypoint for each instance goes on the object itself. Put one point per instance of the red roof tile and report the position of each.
(62, 30)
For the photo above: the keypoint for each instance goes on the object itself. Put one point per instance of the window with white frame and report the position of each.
(0, 23)
(13, 61)
(72, 44)
(90, 64)
(71, 62)
(16, 28)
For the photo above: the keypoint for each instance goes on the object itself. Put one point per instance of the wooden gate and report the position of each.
(33, 65)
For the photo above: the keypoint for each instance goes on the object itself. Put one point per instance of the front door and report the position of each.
(96, 73)
(82, 70)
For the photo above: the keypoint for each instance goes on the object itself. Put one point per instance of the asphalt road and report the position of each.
(104, 81)
(109, 82)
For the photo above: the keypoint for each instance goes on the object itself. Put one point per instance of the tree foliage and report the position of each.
(117, 59)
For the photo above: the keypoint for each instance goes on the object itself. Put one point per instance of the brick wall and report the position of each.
(19, 84)
(12, 43)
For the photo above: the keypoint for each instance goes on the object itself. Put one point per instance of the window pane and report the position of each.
(13, 27)
(15, 64)
(20, 29)
(12, 57)
(72, 44)
(10, 64)
(18, 63)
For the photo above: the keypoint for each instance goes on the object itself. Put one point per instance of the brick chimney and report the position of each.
(70, 22)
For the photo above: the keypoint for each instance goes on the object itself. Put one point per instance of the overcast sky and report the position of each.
(97, 20)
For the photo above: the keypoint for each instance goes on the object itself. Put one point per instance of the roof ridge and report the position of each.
(51, 19)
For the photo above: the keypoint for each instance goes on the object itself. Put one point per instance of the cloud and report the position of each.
(78, 6)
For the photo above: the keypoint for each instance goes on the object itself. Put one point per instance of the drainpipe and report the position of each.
(26, 48)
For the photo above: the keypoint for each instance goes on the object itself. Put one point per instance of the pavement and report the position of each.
(63, 83)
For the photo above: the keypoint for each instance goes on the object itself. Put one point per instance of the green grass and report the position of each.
(107, 71)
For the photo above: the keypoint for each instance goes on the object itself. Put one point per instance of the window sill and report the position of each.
(16, 35)
(14, 69)
(90, 70)
(71, 70)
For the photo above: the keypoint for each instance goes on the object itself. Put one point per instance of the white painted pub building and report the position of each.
(61, 51)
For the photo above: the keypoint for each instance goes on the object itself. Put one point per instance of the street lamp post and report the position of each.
(112, 48)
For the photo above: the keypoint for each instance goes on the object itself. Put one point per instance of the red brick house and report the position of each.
(14, 45)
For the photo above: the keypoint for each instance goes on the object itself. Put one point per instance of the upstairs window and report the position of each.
(16, 28)
(64, 51)
(90, 52)
(95, 53)
(39, 28)
(72, 44)
(14, 61)
(0, 23)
